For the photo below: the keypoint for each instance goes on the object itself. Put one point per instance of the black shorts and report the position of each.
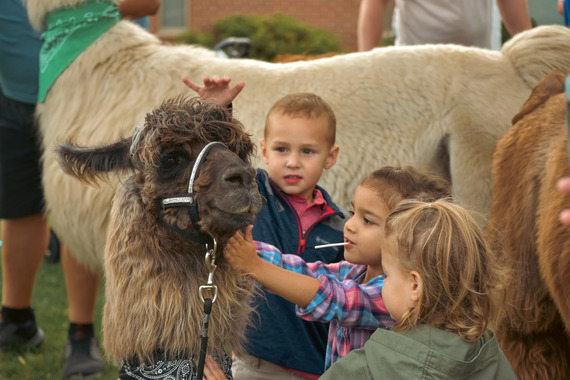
(21, 191)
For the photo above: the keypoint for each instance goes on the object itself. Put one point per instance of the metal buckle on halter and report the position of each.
(210, 259)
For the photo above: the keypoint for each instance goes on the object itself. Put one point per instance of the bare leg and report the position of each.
(82, 287)
(82, 354)
(24, 244)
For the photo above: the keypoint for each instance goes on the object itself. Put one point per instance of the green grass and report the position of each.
(51, 309)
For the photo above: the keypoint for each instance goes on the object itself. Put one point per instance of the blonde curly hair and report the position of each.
(462, 289)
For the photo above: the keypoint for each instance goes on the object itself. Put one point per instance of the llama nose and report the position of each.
(239, 176)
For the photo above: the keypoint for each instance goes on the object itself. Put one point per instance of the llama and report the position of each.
(530, 158)
(437, 107)
(155, 252)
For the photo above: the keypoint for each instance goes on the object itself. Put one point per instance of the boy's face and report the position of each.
(296, 150)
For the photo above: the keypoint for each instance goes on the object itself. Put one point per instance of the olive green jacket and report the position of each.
(423, 352)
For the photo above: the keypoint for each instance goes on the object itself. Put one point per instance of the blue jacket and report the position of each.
(278, 335)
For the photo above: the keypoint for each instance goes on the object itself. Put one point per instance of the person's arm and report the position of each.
(515, 15)
(216, 90)
(370, 24)
(348, 302)
(297, 288)
(132, 9)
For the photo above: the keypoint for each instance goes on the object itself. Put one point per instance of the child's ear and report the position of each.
(416, 283)
(263, 150)
(331, 159)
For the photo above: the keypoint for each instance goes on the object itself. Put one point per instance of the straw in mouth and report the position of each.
(331, 245)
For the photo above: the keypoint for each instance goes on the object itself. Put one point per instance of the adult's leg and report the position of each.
(82, 287)
(24, 228)
(82, 354)
(24, 243)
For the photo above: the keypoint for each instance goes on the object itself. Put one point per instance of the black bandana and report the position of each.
(182, 369)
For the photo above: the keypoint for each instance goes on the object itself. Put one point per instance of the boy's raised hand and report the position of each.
(216, 90)
(240, 252)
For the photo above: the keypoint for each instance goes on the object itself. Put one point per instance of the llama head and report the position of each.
(161, 155)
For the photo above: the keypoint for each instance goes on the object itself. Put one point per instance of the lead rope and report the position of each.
(211, 266)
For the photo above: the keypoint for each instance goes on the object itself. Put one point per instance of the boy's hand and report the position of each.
(216, 90)
(240, 252)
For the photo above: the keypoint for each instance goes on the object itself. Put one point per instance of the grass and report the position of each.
(51, 309)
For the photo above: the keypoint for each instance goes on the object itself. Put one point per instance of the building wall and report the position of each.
(338, 16)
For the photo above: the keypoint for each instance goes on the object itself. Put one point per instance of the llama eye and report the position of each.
(169, 160)
(172, 164)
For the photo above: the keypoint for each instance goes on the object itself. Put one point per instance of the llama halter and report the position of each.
(189, 199)
(201, 237)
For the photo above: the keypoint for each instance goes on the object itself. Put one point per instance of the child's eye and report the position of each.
(368, 221)
(281, 149)
(351, 213)
(307, 151)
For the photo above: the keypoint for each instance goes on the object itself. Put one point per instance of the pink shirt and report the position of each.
(308, 213)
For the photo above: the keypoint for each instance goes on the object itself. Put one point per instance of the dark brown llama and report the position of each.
(533, 155)
(156, 243)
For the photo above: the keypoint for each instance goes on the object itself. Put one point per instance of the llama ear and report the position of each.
(92, 164)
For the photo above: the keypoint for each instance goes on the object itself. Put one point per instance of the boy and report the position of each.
(298, 145)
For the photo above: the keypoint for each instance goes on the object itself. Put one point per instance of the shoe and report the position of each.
(82, 359)
(20, 334)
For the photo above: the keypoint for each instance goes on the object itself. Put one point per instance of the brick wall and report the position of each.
(338, 16)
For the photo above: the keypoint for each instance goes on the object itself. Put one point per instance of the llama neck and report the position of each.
(70, 31)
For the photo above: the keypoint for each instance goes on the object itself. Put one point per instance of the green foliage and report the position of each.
(269, 36)
(192, 37)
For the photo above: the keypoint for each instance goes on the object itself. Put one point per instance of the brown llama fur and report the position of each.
(529, 160)
(152, 272)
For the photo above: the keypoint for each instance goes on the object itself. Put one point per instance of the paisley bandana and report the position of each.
(185, 369)
(70, 30)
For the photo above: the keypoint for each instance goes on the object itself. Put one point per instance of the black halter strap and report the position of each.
(189, 201)
(197, 237)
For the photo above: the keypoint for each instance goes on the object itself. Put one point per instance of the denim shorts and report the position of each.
(21, 192)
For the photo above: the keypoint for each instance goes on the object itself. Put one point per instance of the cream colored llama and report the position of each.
(438, 107)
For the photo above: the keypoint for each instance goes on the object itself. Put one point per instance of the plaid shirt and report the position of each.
(354, 310)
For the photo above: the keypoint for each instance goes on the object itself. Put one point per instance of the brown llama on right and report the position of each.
(524, 226)
(155, 251)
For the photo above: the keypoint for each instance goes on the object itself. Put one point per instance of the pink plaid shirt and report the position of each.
(354, 310)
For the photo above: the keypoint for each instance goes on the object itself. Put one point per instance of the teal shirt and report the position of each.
(19, 53)
(20, 50)
(426, 353)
